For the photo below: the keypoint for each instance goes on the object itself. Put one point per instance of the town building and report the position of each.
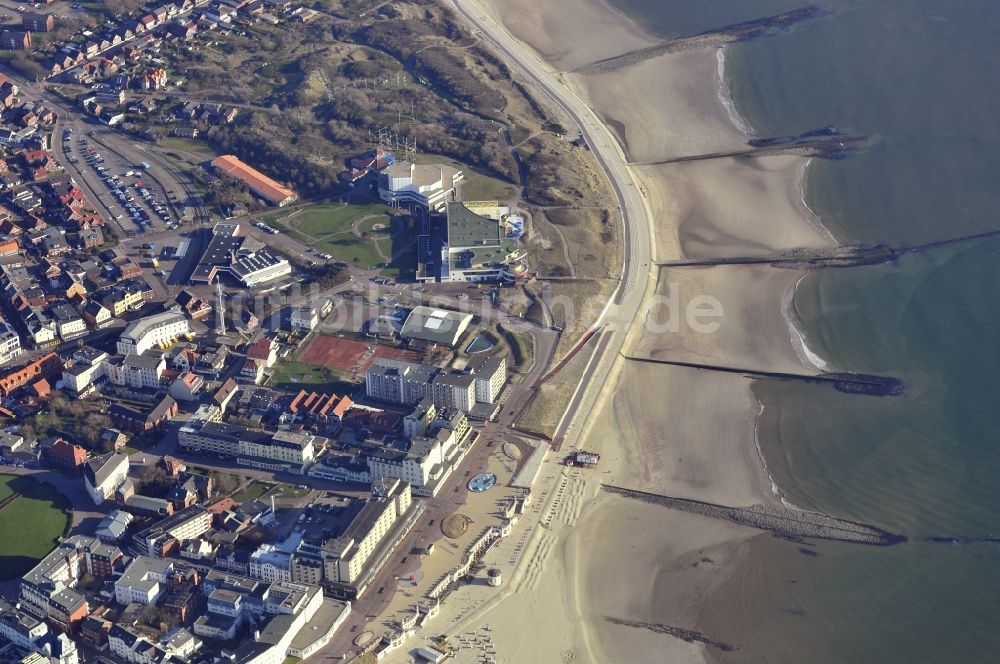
(167, 534)
(346, 557)
(65, 454)
(437, 441)
(10, 343)
(263, 350)
(112, 528)
(28, 634)
(472, 247)
(261, 185)
(103, 474)
(69, 323)
(306, 317)
(96, 314)
(144, 420)
(138, 371)
(50, 587)
(32, 22)
(48, 366)
(490, 372)
(229, 252)
(158, 330)
(87, 370)
(314, 407)
(143, 581)
(278, 451)
(132, 647)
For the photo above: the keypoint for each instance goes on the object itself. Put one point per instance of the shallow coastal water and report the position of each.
(919, 76)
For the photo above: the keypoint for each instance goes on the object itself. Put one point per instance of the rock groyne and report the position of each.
(834, 148)
(730, 34)
(783, 522)
(851, 383)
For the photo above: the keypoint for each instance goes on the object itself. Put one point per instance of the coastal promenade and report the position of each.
(625, 303)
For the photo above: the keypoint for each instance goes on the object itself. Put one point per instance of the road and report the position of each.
(637, 274)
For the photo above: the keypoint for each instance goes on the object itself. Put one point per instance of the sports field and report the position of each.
(350, 355)
(32, 516)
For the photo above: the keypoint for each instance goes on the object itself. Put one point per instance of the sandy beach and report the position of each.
(608, 576)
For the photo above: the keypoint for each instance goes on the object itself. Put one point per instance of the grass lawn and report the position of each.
(273, 216)
(353, 250)
(290, 491)
(386, 223)
(253, 490)
(27, 501)
(297, 375)
(328, 228)
(479, 187)
(320, 220)
(188, 145)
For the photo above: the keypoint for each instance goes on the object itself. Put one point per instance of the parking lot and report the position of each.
(138, 206)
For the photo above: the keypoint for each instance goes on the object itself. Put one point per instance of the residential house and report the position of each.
(13, 40)
(32, 22)
(96, 314)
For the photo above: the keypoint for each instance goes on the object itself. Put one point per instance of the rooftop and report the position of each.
(257, 181)
(436, 325)
(468, 229)
(137, 329)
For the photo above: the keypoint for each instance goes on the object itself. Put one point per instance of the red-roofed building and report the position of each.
(252, 371)
(264, 351)
(42, 389)
(323, 408)
(48, 366)
(66, 455)
(9, 248)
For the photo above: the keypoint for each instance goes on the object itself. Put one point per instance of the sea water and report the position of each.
(921, 78)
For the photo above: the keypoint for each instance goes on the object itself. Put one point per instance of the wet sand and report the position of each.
(671, 430)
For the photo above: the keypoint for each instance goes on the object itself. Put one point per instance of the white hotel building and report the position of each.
(152, 331)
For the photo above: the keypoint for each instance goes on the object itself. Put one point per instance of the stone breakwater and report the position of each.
(783, 522)
(850, 383)
(834, 149)
(730, 34)
(688, 635)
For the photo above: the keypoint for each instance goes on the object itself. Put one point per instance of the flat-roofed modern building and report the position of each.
(187, 524)
(137, 371)
(407, 383)
(473, 248)
(491, 375)
(227, 253)
(429, 186)
(143, 581)
(440, 326)
(346, 556)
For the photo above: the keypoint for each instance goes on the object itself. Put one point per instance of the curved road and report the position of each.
(623, 306)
